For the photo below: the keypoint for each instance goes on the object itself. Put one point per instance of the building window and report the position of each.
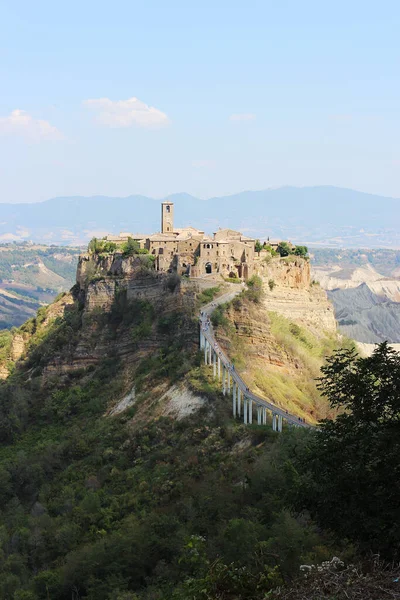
(168, 208)
(161, 251)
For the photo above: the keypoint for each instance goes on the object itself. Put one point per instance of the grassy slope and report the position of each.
(289, 378)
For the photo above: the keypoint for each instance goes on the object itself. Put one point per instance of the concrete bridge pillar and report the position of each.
(229, 381)
(264, 415)
(210, 354)
(239, 393)
(250, 405)
(234, 398)
(219, 368)
(280, 422)
(245, 409)
(274, 421)
(201, 338)
(205, 351)
(214, 364)
(259, 414)
(223, 380)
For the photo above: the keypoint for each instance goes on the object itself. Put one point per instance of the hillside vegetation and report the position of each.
(123, 475)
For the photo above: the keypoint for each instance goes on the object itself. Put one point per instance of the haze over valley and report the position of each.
(322, 215)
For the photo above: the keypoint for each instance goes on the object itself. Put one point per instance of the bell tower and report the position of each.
(167, 217)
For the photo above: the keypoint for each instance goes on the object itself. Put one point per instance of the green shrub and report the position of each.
(300, 251)
(97, 246)
(270, 249)
(255, 289)
(130, 247)
(208, 294)
(284, 249)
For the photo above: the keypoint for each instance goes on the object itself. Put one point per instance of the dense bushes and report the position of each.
(353, 463)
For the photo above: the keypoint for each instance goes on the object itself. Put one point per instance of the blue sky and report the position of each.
(230, 96)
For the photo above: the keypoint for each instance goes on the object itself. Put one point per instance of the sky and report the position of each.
(210, 97)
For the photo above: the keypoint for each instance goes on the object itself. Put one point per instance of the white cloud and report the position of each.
(341, 118)
(19, 122)
(242, 117)
(203, 164)
(126, 113)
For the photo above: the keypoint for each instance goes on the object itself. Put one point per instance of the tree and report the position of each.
(258, 246)
(354, 461)
(97, 246)
(283, 249)
(130, 247)
(270, 249)
(301, 251)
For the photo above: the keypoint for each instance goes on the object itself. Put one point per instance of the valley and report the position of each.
(364, 288)
(31, 276)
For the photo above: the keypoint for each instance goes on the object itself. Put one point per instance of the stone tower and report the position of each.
(167, 217)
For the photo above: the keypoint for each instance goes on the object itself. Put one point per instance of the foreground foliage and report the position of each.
(354, 485)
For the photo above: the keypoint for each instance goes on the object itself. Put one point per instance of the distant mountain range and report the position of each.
(324, 215)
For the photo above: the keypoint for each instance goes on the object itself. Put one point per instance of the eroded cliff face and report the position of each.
(288, 272)
(290, 292)
(280, 342)
(113, 311)
(100, 279)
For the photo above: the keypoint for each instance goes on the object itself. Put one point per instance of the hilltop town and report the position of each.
(190, 251)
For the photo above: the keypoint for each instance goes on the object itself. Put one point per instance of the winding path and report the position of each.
(231, 380)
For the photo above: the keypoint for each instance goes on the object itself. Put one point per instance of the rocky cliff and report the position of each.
(290, 292)
(280, 341)
(115, 309)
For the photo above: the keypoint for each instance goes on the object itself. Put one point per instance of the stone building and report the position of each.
(189, 251)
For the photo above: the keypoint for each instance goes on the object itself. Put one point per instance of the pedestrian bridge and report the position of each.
(244, 401)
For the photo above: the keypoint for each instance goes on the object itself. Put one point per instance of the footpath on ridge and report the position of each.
(208, 332)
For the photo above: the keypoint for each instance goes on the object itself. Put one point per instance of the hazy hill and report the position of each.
(31, 276)
(324, 215)
(384, 261)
